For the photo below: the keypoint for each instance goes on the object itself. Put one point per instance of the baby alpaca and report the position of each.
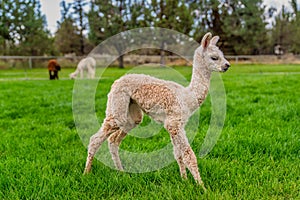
(164, 101)
(88, 64)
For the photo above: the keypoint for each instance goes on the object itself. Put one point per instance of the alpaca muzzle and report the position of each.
(226, 67)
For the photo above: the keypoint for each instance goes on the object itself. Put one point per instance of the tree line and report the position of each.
(241, 24)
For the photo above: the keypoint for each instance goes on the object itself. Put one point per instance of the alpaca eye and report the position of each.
(214, 58)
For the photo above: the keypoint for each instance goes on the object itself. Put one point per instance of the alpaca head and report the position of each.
(211, 56)
(72, 75)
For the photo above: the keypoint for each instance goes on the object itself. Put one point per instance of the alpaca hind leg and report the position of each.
(114, 143)
(126, 113)
(180, 163)
(135, 117)
(90, 72)
(109, 126)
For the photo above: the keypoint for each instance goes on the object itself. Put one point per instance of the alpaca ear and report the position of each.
(214, 40)
(206, 40)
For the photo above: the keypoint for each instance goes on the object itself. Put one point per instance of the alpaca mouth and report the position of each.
(225, 68)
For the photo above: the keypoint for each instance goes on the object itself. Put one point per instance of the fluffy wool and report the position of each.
(164, 101)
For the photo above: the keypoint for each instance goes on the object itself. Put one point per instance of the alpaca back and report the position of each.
(87, 63)
(52, 64)
(156, 97)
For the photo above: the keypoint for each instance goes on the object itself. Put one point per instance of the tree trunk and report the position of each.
(162, 54)
(121, 61)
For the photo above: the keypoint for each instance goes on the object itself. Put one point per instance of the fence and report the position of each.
(21, 67)
(27, 63)
(30, 62)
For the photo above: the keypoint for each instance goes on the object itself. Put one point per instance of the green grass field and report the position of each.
(256, 157)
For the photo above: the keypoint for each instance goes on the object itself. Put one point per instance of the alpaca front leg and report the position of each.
(93, 72)
(81, 74)
(184, 153)
(190, 160)
(178, 139)
(88, 164)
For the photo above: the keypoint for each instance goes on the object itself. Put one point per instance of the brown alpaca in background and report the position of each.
(53, 68)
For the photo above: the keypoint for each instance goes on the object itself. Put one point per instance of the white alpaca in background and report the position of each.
(88, 64)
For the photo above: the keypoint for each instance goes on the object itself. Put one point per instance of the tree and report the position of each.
(239, 23)
(108, 18)
(67, 37)
(208, 16)
(80, 15)
(295, 28)
(280, 29)
(5, 25)
(174, 15)
(102, 22)
(22, 28)
(244, 26)
(34, 38)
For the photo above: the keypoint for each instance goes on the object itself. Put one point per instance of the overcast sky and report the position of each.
(51, 9)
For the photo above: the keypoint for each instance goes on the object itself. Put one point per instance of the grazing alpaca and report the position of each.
(88, 64)
(164, 101)
(53, 68)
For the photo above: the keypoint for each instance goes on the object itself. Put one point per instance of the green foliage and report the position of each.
(172, 14)
(281, 29)
(79, 13)
(108, 18)
(241, 24)
(286, 29)
(22, 29)
(256, 157)
(67, 37)
(250, 27)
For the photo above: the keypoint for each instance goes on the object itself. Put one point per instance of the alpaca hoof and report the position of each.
(184, 176)
(203, 187)
(86, 171)
(120, 168)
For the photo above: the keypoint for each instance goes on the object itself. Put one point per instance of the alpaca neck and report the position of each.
(200, 80)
